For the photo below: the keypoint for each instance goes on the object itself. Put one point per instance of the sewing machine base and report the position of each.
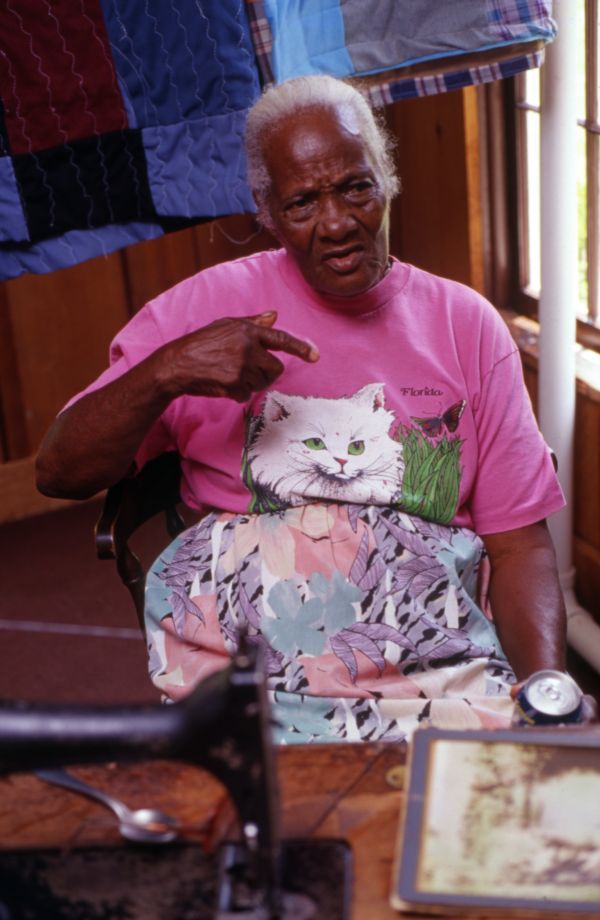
(174, 881)
(316, 877)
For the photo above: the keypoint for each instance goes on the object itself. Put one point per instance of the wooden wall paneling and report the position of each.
(13, 432)
(430, 220)
(494, 169)
(586, 487)
(392, 116)
(156, 265)
(19, 497)
(229, 238)
(62, 324)
(475, 187)
(586, 559)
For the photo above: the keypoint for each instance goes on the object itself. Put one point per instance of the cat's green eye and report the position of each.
(315, 443)
(356, 447)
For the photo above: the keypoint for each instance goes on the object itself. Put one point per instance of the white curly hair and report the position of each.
(309, 92)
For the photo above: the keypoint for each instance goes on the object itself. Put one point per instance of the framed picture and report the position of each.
(501, 823)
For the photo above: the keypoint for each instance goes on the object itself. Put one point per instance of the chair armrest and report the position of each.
(133, 500)
(128, 504)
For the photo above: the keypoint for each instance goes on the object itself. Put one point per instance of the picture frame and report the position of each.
(501, 823)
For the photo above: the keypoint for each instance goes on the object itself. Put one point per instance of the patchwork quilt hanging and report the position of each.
(400, 48)
(120, 120)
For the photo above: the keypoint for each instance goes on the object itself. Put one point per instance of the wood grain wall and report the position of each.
(55, 329)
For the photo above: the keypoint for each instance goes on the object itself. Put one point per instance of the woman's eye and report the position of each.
(360, 190)
(297, 206)
(356, 447)
(314, 444)
(362, 186)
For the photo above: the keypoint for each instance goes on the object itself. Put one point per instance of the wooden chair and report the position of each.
(129, 504)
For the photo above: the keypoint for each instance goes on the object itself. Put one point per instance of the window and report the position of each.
(524, 146)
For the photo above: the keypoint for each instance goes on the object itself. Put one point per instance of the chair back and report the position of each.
(130, 503)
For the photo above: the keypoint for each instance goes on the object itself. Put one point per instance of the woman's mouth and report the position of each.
(344, 261)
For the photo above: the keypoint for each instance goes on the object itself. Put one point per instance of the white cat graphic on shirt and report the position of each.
(309, 447)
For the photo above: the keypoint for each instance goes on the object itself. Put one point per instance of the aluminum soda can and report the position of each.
(548, 698)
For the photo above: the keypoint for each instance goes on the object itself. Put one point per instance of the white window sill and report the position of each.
(525, 332)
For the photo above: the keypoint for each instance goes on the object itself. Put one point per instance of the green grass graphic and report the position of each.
(431, 476)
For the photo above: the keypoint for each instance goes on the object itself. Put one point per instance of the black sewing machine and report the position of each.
(224, 727)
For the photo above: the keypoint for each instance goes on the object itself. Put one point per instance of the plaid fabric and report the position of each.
(514, 18)
(262, 38)
(408, 88)
(510, 22)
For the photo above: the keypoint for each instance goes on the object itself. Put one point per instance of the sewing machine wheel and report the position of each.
(316, 880)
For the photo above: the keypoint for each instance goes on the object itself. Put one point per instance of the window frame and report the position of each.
(503, 115)
(592, 128)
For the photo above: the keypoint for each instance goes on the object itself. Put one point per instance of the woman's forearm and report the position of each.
(92, 444)
(526, 599)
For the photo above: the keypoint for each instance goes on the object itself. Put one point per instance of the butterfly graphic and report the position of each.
(450, 419)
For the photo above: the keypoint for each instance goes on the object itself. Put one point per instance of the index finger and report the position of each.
(278, 340)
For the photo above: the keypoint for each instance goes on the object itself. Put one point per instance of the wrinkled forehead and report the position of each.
(311, 129)
(341, 116)
(345, 116)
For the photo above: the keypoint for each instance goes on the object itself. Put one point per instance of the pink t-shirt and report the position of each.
(417, 400)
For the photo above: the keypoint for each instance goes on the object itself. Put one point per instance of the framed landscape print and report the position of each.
(501, 823)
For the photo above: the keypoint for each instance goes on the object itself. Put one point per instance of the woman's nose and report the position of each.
(335, 219)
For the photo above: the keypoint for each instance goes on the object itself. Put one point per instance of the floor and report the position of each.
(68, 629)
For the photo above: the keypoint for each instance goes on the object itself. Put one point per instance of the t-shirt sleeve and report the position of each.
(516, 483)
(135, 341)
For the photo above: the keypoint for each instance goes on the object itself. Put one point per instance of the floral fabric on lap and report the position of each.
(369, 619)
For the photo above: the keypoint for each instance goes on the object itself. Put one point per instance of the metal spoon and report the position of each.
(144, 825)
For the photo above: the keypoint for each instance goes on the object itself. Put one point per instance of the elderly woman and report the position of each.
(358, 438)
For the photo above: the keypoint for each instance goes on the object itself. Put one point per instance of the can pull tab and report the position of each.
(548, 698)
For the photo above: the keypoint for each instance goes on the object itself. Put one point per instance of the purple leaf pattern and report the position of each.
(364, 637)
(342, 649)
(249, 610)
(418, 575)
(377, 605)
(359, 566)
(353, 516)
(183, 607)
(361, 573)
(408, 539)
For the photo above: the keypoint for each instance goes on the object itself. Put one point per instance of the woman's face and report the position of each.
(328, 207)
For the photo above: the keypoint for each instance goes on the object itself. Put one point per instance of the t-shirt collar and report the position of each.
(357, 305)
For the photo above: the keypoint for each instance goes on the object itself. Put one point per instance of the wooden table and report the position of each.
(342, 791)
(330, 791)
